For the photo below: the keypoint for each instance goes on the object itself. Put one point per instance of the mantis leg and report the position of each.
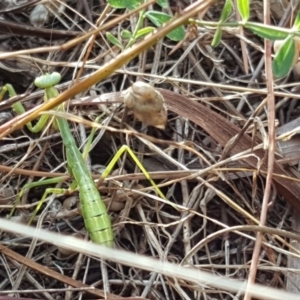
(138, 163)
(48, 191)
(87, 146)
(19, 109)
(32, 185)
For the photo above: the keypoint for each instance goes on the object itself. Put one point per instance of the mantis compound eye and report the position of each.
(147, 104)
(47, 80)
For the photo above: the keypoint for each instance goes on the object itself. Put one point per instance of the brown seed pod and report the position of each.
(147, 104)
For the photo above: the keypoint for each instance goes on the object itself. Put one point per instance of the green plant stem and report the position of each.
(137, 28)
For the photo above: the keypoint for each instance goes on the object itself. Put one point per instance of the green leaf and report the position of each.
(129, 4)
(144, 31)
(163, 3)
(126, 34)
(227, 8)
(265, 32)
(297, 21)
(159, 18)
(284, 58)
(244, 9)
(177, 34)
(114, 40)
(217, 37)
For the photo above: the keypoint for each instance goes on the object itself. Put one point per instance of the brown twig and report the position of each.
(27, 30)
(271, 156)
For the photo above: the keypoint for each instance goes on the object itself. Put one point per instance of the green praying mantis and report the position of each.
(95, 215)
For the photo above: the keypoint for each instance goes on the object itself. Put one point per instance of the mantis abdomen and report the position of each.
(96, 218)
